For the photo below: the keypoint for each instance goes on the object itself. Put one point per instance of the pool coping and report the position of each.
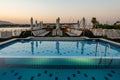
(112, 42)
(5, 42)
(61, 38)
(45, 38)
(60, 57)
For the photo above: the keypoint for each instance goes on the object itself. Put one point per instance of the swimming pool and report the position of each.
(28, 59)
(59, 52)
(61, 49)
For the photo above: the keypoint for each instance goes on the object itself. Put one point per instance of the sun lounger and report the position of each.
(39, 33)
(74, 33)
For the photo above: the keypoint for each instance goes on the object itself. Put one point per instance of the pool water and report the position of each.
(81, 48)
(59, 74)
(59, 60)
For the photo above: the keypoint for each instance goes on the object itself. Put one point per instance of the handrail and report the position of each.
(100, 61)
(107, 46)
(97, 45)
(110, 53)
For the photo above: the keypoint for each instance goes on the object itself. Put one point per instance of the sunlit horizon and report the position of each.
(20, 11)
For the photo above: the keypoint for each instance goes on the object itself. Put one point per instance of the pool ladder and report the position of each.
(106, 48)
(110, 53)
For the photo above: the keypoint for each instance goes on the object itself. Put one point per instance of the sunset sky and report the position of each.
(20, 11)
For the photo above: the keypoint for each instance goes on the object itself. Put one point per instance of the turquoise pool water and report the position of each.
(59, 74)
(59, 60)
(81, 48)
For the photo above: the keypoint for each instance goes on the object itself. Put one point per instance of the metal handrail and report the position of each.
(101, 54)
(110, 53)
(108, 46)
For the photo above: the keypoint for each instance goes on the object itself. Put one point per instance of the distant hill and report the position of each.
(5, 22)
